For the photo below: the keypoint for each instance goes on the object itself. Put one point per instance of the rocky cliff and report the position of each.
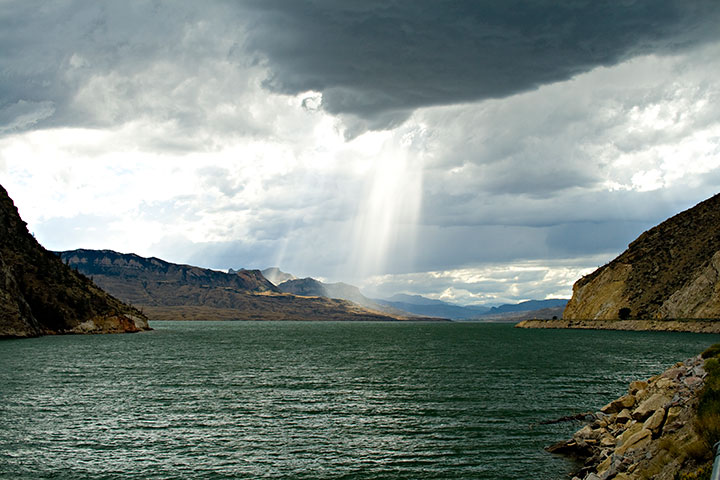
(669, 272)
(152, 281)
(41, 295)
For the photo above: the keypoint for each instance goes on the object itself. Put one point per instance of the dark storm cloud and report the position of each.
(378, 60)
(89, 63)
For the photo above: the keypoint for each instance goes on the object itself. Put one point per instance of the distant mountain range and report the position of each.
(165, 291)
(420, 305)
(168, 291)
(404, 304)
(529, 305)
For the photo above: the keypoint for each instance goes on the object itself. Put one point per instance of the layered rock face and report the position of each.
(669, 272)
(41, 295)
(152, 281)
(169, 291)
(647, 433)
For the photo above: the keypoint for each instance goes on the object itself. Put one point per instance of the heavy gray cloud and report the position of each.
(379, 60)
(87, 63)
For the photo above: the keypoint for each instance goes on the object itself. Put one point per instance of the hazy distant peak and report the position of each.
(415, 299)
(277, 276)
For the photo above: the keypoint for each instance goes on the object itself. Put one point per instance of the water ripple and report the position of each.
(311, 400)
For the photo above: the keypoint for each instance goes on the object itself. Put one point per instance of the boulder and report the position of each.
(637, 440)
(666, 384)
(631, 430)
(649, 406)
(673, 373)
(699, 371)
(604, 466)
(626, 401)
(655, 421)
(624, 416)
(673, 414)
(636, 386)
(642, 394)
(607, 441)
(693, 382)
(585, 433)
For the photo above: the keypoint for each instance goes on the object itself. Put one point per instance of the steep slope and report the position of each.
(670, 271)
(40, 295)
(168, 291)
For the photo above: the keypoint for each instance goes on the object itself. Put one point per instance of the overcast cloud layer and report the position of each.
(470, 151)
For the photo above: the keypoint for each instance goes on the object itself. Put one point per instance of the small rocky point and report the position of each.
(637, 435)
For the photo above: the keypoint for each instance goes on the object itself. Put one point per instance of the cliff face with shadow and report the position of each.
(41, 295)
(669, 272)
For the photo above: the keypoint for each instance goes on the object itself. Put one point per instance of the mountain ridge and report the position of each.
(420, 305)
(169, 291)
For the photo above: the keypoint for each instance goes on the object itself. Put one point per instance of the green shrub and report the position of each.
(703, 473)
(707, 422)
(712, 351)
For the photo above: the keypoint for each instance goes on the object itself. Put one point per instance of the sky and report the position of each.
(469, 151)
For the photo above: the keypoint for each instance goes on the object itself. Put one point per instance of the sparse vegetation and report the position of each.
(707, 421)
(708, 413)
(703, 473)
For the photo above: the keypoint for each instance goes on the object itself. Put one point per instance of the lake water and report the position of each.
(312, 400)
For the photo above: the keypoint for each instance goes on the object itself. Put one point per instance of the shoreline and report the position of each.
(691, 326)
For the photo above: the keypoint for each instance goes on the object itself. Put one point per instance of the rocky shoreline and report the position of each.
(694, 326)
(647, 433)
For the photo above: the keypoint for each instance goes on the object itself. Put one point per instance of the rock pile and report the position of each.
(647, 433)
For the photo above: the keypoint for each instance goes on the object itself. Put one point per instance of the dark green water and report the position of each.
(312, 400)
